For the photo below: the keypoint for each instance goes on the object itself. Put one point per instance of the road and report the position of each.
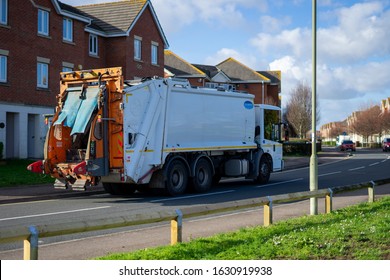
(362, 166)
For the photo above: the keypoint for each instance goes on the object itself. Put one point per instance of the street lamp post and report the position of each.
(313, 158)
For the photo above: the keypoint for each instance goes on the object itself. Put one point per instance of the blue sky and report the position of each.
(353, 53)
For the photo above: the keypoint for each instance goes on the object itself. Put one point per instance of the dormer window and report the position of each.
(93, 44)
(154, 53)
(137, 48)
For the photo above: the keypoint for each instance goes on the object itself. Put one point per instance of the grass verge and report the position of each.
(14, 172)
(359, 232)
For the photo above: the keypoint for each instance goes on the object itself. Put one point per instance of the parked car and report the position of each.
(386, 144)
(348, 145)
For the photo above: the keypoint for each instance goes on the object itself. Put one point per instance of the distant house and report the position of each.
(246, 79)
(385, 105)
(229, 75)
(217, 78)
(41, 38)
(330, 131)
(177, 67)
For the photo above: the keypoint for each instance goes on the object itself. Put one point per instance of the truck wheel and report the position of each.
(108, 188)
(177, 178)
(203, 178)
(264, 171)
(119, 189)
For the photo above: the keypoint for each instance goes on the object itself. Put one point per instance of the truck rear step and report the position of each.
(79, 185)
(62, 185)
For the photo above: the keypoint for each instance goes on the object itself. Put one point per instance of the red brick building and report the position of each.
(41, 38)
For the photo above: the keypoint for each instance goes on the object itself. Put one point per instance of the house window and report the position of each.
(67, 66)
(137, 48)
(66, 69)
(3, 69)
(93, 44)
(154, 53)
(211, 85)
(3, 11)
(43, 22)
(67, 32)
(42, 75)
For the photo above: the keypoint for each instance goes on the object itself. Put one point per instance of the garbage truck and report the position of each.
(156, 133)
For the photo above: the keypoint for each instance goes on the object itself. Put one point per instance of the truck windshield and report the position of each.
(272, 125)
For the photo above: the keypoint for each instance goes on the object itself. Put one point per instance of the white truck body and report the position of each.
(168, 116)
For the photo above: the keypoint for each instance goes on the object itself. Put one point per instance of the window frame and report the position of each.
(3, 68)
(154, 53)
(138, 48)
(67, 29)
(41, 75)
(4, 12)
(43, 22)
(93, 45)
(66, 69)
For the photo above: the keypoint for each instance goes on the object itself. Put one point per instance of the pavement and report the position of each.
(159, 234)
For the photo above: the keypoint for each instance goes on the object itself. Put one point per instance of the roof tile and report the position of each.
(113, 17)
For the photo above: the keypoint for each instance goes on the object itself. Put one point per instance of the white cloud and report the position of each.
(361, 32)
(292, 42)
(273, 24)
(176, 15)
(353, 57)
(224, 53)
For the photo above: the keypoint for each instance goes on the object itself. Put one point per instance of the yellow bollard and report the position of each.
(30, 251)
(268, 213)
(328, 202)
(176, 228)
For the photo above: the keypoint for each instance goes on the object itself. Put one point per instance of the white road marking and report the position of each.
(375, 163)
(328, 174)
(279, 183)
(190, 196)
(357, 168)
(28, 202)
(54, 213)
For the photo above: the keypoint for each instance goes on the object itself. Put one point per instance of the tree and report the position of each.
(368, 122)
(299, 109)
(337, 129)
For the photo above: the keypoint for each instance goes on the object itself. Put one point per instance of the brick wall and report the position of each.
(145, 28)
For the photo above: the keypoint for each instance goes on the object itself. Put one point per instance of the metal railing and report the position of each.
(30, 235)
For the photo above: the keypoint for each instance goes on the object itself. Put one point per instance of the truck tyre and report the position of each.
(108, 188)
(264, 171)
(177, 178)
(118, 188)
(203, 177)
